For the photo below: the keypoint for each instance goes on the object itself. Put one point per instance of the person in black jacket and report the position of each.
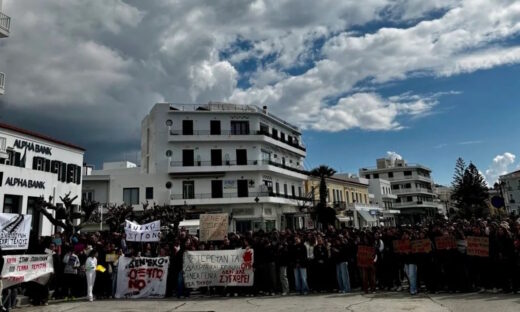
(298, 255)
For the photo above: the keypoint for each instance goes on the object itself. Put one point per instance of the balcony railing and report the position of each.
(294, 143)
(2, 83)
(233, 195)
(298, 169)
(5, 22)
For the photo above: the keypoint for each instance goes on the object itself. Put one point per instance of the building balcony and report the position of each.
(5, 25)
(2, 83)
(389, 196)
(237, 136)
(416, 204)
(209, 167)
(413, 190)
(233, 198)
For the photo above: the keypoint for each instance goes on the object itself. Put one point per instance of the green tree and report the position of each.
(323, 172)
(470, 191)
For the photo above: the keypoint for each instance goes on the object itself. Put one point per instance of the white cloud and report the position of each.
(393, 156)
(501, 165)
(80, 58)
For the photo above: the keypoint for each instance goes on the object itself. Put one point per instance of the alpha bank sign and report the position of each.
(33, 147)
(27, 183)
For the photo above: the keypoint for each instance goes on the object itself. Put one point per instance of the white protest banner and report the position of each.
(25, 268)
(142, 277)
(148, 232)
(218, 268)
(14, 231)
(213, 227)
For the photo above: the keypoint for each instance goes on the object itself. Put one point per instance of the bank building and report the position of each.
(34, 165)
(213, 158)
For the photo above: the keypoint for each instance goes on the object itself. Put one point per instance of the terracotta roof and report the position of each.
(39, 136)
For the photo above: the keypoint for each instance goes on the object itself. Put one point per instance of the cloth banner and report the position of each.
(421, 246)
(402, 246)
(14, 231)
(478, 246)
(213, 227)
(365, 256)
(445, 242)
(142, 277)
(218, 268)
(25, 268)
(148, 232)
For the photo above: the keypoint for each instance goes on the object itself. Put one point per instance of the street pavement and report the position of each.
(356, 302)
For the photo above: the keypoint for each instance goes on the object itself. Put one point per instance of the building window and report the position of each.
(376, 175)
(269, 185)
(282, 136)
(216, 157)
(407, 173)
(239, 127)
(214, 127)
(149, 193)
(242, 188)
(12, 204)
(293, 191)
(367, 176)
(187, 127)
(266, 157)
(264, 129)
(409, 198)
(285, 190)
(277, 186)
(299, 191)
(188, 189)
(395, 186)
(366, 200)
(275, 133)
(241, 157)
(188, 157)
(390, 174)
(131, 196)
(346, 197)
(216, 189)
(88, 196)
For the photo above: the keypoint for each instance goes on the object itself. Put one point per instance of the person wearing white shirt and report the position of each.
(90, 270)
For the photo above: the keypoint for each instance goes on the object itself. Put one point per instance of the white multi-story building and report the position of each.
(382, 196)
(511, 188)
(5, 27)
(413, 185)
(34, 165)
(216, 157)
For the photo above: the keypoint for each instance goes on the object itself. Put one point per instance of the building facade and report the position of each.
(216, 157)
(5, 27)
(34, 165)
(413, 185)
(384, 198)
(511, 189)
(349, 196)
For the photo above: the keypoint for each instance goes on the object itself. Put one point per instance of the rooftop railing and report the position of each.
(5, 22)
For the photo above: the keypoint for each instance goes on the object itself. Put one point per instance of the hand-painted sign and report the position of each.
(218, 268)
(148, 232)
(478, 246)
(25, 268)
(213, 227)
(14, 231)
(142, 277)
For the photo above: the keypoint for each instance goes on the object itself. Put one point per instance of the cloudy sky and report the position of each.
(429, 80)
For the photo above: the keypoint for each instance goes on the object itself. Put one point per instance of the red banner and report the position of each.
(365, 256)
(478, 246)
(421, 246)
(445, 242)
(402, 246)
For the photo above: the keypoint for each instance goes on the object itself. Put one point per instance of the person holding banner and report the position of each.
(90, 270)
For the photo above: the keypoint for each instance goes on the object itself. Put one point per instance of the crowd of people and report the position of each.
(300, 261)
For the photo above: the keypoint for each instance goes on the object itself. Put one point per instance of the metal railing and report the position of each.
(2, 81)
(205, 163)
(5, 22)
(233, 195)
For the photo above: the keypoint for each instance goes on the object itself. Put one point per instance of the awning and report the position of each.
(343, 219)
(367, 216)
(187, 223)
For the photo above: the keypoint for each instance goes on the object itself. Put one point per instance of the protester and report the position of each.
(90, 270)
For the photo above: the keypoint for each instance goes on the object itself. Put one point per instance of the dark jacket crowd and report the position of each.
(300, 261)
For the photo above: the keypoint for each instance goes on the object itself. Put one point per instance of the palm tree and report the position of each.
(323, 172)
